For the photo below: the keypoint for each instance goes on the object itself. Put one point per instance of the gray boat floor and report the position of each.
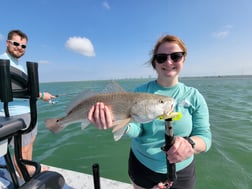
(77, 180)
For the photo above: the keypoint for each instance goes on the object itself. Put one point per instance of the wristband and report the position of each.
(190, 141)
(42, 96)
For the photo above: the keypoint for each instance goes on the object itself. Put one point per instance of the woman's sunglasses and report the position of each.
(175, 57)
(16, 44)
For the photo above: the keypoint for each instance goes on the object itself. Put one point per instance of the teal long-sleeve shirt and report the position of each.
(148, 138)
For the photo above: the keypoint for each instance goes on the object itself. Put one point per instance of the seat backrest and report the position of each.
(13, 83)
(16, 84)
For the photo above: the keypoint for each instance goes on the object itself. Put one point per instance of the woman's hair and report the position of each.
(17, 32)
(167, 38)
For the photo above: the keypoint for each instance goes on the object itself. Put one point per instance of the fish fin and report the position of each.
(112, 86)
(84, 124)
(119, 128)
(120, 124)
(79, 98)
(119, 133)
(53, 125)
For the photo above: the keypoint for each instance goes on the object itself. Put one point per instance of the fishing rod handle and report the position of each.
(169, 141)
(171, 167)
(172, 176)
(96, 176)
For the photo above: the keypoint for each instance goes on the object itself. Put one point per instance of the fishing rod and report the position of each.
(169, 141)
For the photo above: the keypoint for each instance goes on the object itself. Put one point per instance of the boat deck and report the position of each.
(77, 180)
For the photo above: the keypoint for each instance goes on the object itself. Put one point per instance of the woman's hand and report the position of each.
(180, 150)
(163, 185)
(100, 115)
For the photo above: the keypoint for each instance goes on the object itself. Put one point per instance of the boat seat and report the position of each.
(10, 126)
(45, 180)
(16, 84)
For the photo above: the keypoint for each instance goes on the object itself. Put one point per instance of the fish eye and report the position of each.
(161, 101)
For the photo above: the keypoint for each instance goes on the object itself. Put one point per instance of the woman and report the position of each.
(147, 162)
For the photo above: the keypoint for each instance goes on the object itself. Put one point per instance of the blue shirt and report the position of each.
(148, 138)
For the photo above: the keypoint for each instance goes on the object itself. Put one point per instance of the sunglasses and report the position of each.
(16, 44)
(175, 57)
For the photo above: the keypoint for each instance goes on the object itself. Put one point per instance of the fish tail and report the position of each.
(53, 125)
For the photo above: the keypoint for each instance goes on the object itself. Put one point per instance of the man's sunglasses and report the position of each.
(175, 57)
(16, 44)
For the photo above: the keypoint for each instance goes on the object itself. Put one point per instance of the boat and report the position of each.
(77, 180)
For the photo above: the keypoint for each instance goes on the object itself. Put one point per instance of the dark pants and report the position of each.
(146, 178)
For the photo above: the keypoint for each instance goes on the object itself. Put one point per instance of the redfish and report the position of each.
(126, 107)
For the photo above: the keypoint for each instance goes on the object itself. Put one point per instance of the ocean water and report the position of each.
(226, 165)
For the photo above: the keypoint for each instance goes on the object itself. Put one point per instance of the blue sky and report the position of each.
(112, 39)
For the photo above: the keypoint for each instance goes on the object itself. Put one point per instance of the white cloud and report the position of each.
(106, 5)
(223, 33)
(80, 45)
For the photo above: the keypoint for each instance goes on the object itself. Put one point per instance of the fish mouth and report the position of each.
(168, 113)
(171, 115)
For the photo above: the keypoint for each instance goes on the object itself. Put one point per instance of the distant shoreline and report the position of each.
(152, 78)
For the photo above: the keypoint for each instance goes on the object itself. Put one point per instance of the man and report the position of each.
(16, 44)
